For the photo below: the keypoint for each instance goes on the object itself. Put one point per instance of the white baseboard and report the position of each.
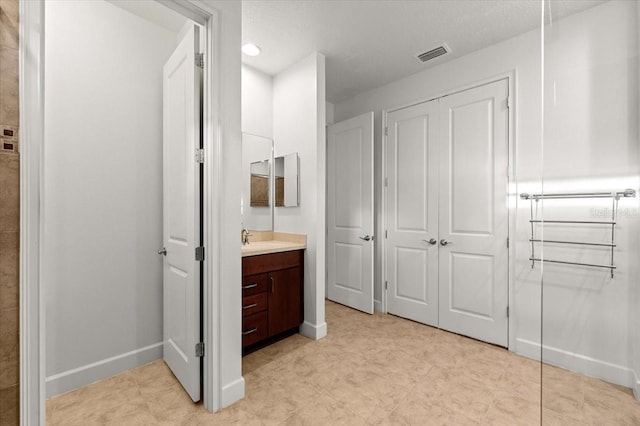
(635, 385)
(592, 367)
(87, 374)
(315, 332)
(377, 306)
(233, 392)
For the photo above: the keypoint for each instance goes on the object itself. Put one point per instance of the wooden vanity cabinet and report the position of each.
(272, 297)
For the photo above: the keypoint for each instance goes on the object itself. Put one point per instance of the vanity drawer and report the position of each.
(254, 328)
(254, 303)
(253, 284)
(271, 262)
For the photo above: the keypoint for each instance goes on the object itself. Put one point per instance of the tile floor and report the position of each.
(369, 370)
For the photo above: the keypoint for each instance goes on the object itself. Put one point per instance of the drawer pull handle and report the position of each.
(248, 286)
(253, 330)
(253, 305)
(273, 288)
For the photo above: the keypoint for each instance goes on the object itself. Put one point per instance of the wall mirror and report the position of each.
(286, 180)
(257, 204)
(260, 179)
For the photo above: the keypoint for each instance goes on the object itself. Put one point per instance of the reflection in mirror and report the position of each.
(260, 173)
(286, 180)
(256, 207)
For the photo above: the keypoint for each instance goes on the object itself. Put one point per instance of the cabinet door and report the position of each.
(285, 300)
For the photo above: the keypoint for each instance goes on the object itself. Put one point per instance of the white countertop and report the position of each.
(255, 248)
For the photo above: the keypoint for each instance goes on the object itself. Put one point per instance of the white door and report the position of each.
(350, 208)
(181, 209)
(473, 212)
(412, 213)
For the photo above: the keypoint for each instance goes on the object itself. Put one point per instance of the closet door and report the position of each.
(412, 213)
(473, 213)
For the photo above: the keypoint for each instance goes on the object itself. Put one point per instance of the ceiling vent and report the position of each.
(433, 53)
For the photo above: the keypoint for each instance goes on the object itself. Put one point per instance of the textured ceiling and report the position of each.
(369, 43)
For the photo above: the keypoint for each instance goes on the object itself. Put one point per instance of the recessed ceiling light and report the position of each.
(250, 49)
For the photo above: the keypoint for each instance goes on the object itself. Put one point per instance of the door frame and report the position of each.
(511, 77)
(32, 303)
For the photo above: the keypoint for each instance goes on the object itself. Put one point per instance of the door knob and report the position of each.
(432, 241)
(445, 242)
(366, 238)
(162, 251)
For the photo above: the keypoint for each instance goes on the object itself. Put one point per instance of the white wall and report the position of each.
(257, 102)
(299, 126)
(590, 142)
(102, 275)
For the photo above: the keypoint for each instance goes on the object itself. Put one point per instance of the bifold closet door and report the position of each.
(473, 213)
(412, 213)
(350, 212)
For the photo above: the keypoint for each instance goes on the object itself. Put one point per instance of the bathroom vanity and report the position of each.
(272, 290)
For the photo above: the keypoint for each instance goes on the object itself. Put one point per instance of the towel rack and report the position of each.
(615, 197)
(628, 193)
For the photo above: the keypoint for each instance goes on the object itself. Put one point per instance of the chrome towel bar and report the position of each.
(629, 193)
(615, 197)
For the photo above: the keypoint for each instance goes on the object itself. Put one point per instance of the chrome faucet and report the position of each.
(245, 236)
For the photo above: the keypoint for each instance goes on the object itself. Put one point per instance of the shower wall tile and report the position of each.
(9, 347)
(9, 240)
(9, 406)
(9, 23)
(9, 265)
(9, 214)
(9, 370)
(9, 113)
(9, 193)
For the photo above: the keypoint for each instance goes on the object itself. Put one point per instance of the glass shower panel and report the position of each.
(588, 236)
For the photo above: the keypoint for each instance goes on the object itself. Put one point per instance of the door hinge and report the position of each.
(386, 181)
(200, 60)
(386, 285)
(200, 349)
(507, 312)
(199, 254)
(386, 233)
(508, 101)
(507, 242)
(199, 155)
(386, 131)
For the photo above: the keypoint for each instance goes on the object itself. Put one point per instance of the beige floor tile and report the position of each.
(325, 411)
(228, 416)
(513, 410)
(371, 369)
